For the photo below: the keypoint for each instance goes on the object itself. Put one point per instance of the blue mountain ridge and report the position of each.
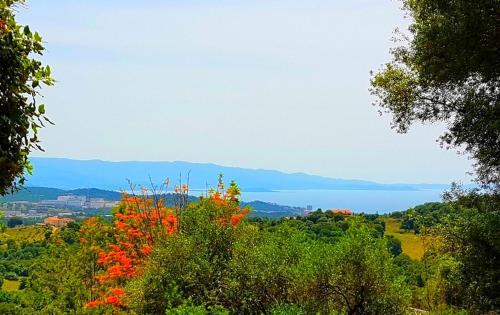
(65, 173)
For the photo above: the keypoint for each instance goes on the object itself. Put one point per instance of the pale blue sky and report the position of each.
(260, 84)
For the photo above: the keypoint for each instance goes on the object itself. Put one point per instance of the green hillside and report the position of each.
(36, 194)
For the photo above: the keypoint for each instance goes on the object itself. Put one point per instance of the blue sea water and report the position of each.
(368, 201)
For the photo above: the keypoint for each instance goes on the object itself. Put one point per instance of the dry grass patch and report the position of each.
(31, 233)
(10, 285)
(412, 244)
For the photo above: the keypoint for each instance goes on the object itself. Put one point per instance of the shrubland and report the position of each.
(206, 257)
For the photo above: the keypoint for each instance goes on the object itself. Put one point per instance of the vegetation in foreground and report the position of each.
(206, 258)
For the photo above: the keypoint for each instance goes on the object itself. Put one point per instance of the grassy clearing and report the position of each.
(30, 233)
(412, 244)
(10, 285)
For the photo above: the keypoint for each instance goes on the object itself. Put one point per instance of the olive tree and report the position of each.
(448, 70)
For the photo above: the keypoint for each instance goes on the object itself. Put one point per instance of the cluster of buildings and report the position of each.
(26, 214)
(345, 212)
(57, 222)
(81, 202)
(63, 206)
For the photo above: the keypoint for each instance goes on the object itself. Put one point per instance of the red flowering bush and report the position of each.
(140, 222)
(227, 202)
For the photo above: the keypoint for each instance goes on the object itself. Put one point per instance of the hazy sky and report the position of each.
(261, 84)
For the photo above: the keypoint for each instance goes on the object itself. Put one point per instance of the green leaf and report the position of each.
(37, 37)
(29, 168)
(26, 30)
(41, 108)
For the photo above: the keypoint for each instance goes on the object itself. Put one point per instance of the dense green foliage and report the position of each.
(323, 263)
(471, 236)
(424, 216)
(20, 79)
(448, 70)
(256, 270)
(14, 221)
(466, 252)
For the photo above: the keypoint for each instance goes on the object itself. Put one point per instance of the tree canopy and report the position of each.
(448, 70)
(21, 77)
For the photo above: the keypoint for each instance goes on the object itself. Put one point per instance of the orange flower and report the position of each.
(216, 197)
(136, 227)
(127, 244)
(93, 304)
(115, 271)
(102, 278)
(117, 291)
(146, 250)
(103, 257)
(113, 300)
(121, 225)
(134, 233)
(236, 218)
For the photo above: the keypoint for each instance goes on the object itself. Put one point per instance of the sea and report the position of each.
(367, 201)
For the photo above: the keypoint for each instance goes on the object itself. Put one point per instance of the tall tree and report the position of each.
(448, 70)
(21, 76)
(361, 275)
(470, 235)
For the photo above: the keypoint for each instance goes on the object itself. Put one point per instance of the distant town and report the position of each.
(42, 205)
(63, 206)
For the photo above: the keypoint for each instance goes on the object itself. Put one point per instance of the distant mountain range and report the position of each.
(72, 174)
